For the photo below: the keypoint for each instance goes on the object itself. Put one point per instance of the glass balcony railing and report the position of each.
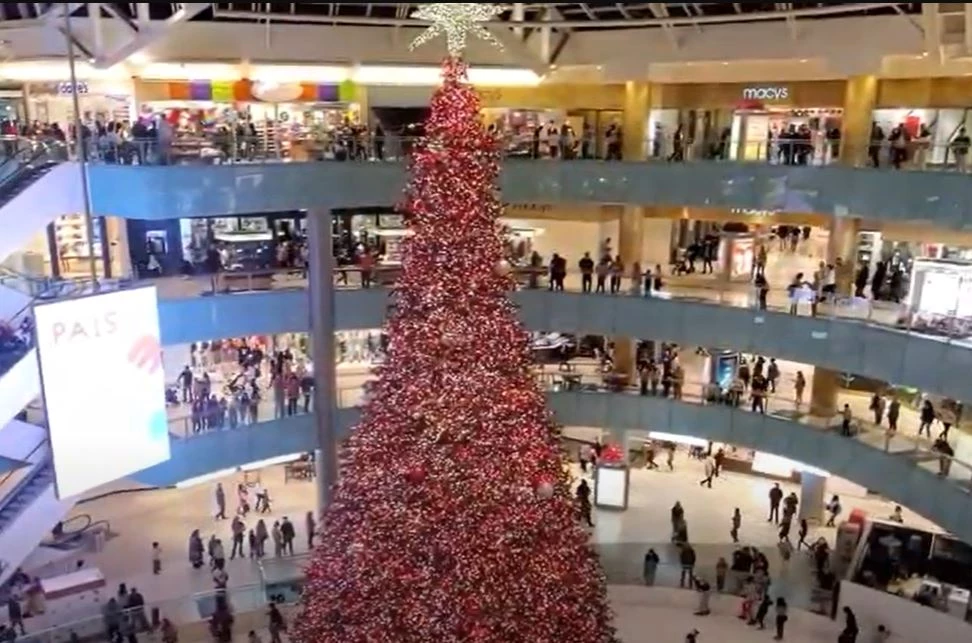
(886, 314)
(923, 453)
(210, 148)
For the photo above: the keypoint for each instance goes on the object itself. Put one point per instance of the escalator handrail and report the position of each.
(27, 157)
(38, 466)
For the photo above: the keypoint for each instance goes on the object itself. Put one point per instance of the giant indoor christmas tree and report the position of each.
(453, 519)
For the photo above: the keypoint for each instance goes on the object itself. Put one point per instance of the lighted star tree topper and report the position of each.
(456, 20)
(453, 521)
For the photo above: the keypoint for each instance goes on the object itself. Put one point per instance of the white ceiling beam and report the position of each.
(660, 10)
(142, 15)
(698, 12)
(520, 54)
(113, 11)
(519, 13)
(968, 28)
(791, 23)
(587, 10)
(931, 20)
(759, 16)
(151, 33)
(624, 10)
(97, 29)
(915, 23)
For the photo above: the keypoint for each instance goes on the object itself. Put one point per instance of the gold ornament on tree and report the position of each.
(456, 20)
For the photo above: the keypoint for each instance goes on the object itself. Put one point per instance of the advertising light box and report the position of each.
(103, 382)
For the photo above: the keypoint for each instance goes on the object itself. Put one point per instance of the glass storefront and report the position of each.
(99, 102)
(203, 245)
(751, 131)
(940, 297)
(552, 133)
(927, 135)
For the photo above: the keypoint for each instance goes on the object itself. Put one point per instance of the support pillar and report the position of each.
(321, 292)
(860, 97)
(631, 228)
(823, 392)
(813, 489)
(842, 252)
(634, 124)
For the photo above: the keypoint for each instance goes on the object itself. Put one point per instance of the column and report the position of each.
(321, 292)
(860, 97)
(631, 228)
(824, 386)
(634, 122)
(813, 489)
(842, 252)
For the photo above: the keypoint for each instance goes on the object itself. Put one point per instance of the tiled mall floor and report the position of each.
(168, 516)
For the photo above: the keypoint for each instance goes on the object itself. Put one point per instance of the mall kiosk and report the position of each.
(738, 252)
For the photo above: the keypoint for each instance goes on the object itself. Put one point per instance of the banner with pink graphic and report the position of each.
(104, 387)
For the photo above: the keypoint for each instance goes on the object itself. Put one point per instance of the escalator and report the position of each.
(29, 509)
(36, 186)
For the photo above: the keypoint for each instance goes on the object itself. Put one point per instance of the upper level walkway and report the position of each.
(171, 191)
(884, 343)
(143, 181)
(898, 467)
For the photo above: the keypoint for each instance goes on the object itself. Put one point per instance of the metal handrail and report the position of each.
(26, 479)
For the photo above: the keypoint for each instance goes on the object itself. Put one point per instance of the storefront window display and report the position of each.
(928, 133)
(360, 347)
(377, 230)
(200, 245)
(551, 133)
(940, 297)
(253, 119)
(752, 130)
(99, 102)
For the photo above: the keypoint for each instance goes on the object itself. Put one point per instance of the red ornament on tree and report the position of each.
(612, 454)
(545, 488)
(415, 475)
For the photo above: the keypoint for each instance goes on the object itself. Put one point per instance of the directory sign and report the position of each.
(104, 387)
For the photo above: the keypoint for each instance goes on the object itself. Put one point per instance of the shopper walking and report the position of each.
(287, 534)
(775, 497)
(710, 471)
(311, 530)
(586, 265)
(275, 623)
(650, 567)
(220, 502)
(851, 630)
(927, 417)
(781, 617)
(736, 524)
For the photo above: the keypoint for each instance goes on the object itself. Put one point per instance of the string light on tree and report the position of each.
(453, 519)
(457, 21)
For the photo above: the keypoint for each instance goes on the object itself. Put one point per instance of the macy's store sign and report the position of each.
(766, 93)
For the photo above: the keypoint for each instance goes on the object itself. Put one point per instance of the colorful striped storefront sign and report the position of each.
(229, 91)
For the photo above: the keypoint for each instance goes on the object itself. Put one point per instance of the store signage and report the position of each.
(746, 212)
(766, 93)
(534, 208)
(68, 89)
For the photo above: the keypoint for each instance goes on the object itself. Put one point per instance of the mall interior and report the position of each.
(742, 268)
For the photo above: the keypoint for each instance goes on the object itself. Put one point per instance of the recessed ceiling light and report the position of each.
(725, 63)
(803, 60)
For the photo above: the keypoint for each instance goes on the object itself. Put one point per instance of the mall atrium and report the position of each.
(386, 322)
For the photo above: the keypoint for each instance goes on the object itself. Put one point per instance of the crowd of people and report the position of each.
(281, 374)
